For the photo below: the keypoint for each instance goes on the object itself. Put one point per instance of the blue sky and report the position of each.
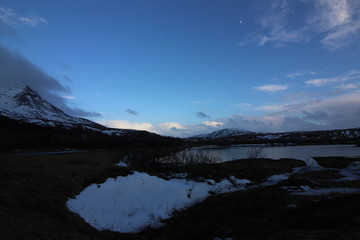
(186, 67)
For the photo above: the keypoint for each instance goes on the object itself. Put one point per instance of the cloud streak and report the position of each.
(201, 115)
(9, 17)
(335, 22)
(127, 125)
(320, 82)
(271, 88)
(132, 112)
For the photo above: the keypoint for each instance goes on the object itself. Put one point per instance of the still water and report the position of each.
(298, 152)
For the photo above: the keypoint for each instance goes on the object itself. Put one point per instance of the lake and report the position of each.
(304, 152)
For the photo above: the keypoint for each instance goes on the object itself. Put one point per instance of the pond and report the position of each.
(304, 152)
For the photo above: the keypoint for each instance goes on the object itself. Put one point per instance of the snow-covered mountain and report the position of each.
(233, 136)
(227, 132)
(21, 103)
(337, 134)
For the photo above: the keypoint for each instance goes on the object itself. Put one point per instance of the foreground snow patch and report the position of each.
(131, 203)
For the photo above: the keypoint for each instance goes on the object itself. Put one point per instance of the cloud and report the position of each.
(301, 73)
(295, 74)
(171, 126)
(66, 78)
(316, 115)
(202, 102)
(132, 112)
(9, 17)
(213, 123)
(273, 20)
(202, 115)
(271, 87)
(347, 86)
(65, 66)
(127, 125)
(271, 108)
(289, 108)
(165, 128)
(337, 111)
(15, 69)
(333, 23)
(340, 20)
(68, 97)
(320, 82)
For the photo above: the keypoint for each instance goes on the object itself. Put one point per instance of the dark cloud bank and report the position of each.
(15, 69)
(202, 115)
(132, 112)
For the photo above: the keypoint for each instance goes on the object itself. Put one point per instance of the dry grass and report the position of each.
(335, 162)
(34, 190)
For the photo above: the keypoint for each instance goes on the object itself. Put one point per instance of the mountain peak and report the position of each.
(226, 132)
(19, 101)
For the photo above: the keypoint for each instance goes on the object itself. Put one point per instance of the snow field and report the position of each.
(137, 201)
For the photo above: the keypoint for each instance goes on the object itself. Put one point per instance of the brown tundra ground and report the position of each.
(35, 188)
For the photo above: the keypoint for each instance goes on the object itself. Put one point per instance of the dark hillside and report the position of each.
(17, 135)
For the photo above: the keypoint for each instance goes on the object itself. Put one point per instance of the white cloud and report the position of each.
(295, 74)
(335, 22)
(213, 123)
(271, 108)
(347, 86)
(33, 21)
(171, 126)
(331, 14)
(341, 111)
(320, 82)
(68, 97)
(11, 18)
(338, 19)
(127, 125)
(271, 87)
(301, 74)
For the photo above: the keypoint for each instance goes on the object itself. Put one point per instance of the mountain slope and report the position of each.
(20, 102)
(227, 132)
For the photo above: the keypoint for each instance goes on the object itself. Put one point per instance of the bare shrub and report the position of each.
(255, 152)
(188, 157)
(195, 163)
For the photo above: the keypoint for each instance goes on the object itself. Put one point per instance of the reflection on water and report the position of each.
(298, 152)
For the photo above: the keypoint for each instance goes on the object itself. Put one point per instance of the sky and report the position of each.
(181, 68)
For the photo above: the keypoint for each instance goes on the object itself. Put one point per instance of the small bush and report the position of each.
(255, 152)
(187, 157)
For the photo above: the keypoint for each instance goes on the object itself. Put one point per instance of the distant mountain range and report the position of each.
(233, 135)
(21, 103)
(226, 132)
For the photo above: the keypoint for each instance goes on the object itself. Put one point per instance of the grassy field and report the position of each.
(34, 190)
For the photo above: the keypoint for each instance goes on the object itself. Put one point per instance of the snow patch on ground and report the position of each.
(137, 201)
(123, 162)
(351, 173)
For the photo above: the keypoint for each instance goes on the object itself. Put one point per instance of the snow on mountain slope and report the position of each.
(22, 103)
(227, 132)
